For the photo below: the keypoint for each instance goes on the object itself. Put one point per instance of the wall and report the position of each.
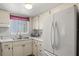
(4, 31)
(4, 18)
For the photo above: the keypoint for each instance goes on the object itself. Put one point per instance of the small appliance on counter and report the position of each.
(36, 33)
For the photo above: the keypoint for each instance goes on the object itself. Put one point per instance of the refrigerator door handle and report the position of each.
(56, 36)
(53, 41)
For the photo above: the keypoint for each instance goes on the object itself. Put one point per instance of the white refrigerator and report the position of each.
(59, 33)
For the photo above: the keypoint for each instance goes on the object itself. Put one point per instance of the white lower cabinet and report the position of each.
(22, 48)
(17, 48)
(40, 48)
(27, 48)
(37, 47)
(6, 49)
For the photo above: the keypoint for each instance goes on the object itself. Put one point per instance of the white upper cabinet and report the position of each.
(35, 22)
(42, 19)
(4, 18)
(39, 21)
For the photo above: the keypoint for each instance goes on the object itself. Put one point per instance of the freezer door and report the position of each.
(65, 45)
(46, 35)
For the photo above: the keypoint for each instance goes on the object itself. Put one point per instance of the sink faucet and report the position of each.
(20, 37)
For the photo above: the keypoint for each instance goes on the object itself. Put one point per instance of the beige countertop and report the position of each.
(11, 40)
(36, 38)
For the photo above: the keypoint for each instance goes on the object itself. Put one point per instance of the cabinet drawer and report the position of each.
(7, 44)
(25, 42)
(18, 43)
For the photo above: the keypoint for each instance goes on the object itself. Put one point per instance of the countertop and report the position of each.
(11, 40)
(36, 38)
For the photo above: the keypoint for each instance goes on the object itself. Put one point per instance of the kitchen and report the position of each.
(38, 29)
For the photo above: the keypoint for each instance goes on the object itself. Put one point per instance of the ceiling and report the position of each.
(19, 9)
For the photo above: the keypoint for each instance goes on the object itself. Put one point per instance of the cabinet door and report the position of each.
(43, 19)
(40, 50)
(4, 17)
(17, 48)
(35, 48)
(35, 22)
(7, 49)
(27, 48)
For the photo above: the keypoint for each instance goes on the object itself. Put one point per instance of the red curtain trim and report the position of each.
(12, 17)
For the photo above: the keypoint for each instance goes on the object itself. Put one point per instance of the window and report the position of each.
(19, 25)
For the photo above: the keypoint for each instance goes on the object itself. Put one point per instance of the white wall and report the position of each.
(4, 31)
(4, 19)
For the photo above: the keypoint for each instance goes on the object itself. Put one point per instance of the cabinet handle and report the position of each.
(35, 45)
(40, 50)
(2, 50)
(40, 44)
(23, 45)
(9, 48)
(12, 48)
(34, 42)
(6, 45)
